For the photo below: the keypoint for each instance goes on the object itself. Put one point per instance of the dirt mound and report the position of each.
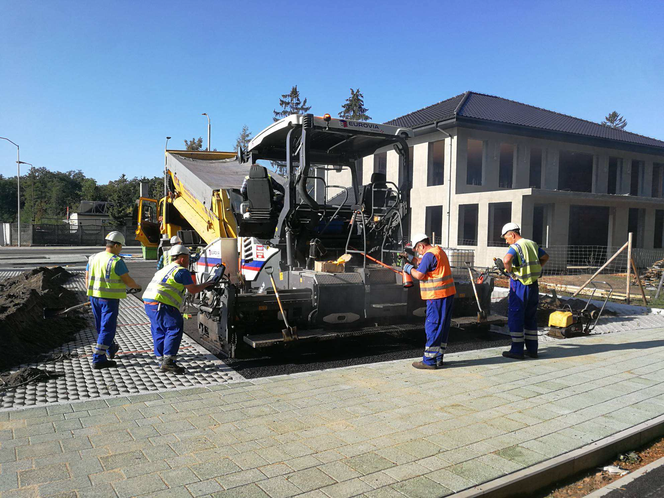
(24, 333)
(25, 376)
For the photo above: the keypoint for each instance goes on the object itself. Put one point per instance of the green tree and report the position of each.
(123, 197)
(243, 138)
(615, 120)
(354, 107)
(8, 199)
(291, 103)
(89, 190)
(194, 144)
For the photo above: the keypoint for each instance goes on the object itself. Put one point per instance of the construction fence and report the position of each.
(62, 234)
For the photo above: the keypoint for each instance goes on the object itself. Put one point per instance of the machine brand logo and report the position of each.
(359, 124)
(344, 123)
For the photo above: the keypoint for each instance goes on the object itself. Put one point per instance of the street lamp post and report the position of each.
(165, 173)
(208, 118)
(18, 187)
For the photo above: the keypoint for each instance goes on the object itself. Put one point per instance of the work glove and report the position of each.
(408, 268)
(499, 264)
(408, 257)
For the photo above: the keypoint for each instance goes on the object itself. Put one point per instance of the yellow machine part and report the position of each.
(561, 319)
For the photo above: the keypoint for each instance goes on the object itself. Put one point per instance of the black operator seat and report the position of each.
(374, 195)
(259, 190)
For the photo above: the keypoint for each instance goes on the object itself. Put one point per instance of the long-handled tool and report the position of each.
(407, 279)
(481, 315)
(56, 312)
(289, 333)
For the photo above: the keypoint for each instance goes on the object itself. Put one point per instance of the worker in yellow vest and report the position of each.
(163, 300)
(165, 259)
(107, 279)
(437, 289)
(524, 261)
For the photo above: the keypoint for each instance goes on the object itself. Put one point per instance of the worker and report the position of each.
(164, 259)
(163, 300)
(107, 279)
(278, 191)
(523, 262)
(437, 289)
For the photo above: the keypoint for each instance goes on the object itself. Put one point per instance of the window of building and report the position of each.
(635, 223)
(468, 224)
(615, 175)
(506, 167)
(588, 226)
(474, 165)
(380, 163)
(637, 166)
(540, 224)
(575, 171)
(434, 222)
(659, 228)
(535, 167)
(499, 214)
(436, 170)
(658, 180)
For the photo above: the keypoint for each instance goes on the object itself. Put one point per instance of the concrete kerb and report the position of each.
(624, 481)
(531, 479)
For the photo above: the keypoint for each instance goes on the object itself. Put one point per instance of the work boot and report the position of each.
(169, 365)
(159, 359)
(531, 354)
(113, 349)
(514, 356)
(423, 366)
(98, 365)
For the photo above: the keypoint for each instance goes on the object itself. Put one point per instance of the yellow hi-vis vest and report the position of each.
(164, 289)
(527, 269)
(104, 282)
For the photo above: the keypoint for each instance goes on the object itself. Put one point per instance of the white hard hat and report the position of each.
(510, 227)
(177, 250)
(116, 237)
(417, 238)
(175, 240)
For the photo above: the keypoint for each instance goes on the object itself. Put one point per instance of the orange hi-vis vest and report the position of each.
(438, 283)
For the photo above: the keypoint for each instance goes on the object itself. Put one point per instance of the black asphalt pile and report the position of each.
(24, 376)
(24, 333)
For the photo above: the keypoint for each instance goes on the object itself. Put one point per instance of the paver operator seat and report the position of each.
(377, 197)
(259, 209)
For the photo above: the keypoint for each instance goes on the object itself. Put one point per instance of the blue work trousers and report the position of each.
(167, 328)
(522, 315)
(437, 328)
(105, 312)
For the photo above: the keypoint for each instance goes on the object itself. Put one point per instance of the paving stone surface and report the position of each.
(138, 372)
(378, 430)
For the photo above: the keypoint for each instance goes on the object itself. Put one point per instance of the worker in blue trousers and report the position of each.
(523, 262)
(163, 300)
(107, 279)
(437, 289)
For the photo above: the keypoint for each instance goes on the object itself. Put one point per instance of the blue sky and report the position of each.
(97, 86)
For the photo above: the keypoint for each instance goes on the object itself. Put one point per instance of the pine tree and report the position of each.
(290, 103)
(354, 107)
(194, 144)
(243, 138)
(615, 120)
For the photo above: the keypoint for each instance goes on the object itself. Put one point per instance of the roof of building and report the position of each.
(487, 108)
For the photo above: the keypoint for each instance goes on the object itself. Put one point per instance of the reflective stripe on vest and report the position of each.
(103, 282)
(164, 289)
(439, 282)
(529, 268)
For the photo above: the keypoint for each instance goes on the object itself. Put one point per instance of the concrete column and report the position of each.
(550, 164)
(645, 182)
(648, 229)
(626, 176)
(460, 172)
(483, 224)
(601, 174)
(621, 219)
(491, 165)
(523, 212)
(560, 225)
(522, 167)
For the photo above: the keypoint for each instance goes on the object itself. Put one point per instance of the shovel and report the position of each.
(289, 333)
(481, 315)
(56, 312)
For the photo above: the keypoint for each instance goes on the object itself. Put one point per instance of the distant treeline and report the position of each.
(46, 195)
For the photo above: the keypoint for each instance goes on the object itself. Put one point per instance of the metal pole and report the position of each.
(18, 185)
(165, 168)
(659, 287)
(208, 118)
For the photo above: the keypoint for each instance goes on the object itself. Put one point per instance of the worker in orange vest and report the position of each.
(437, 289)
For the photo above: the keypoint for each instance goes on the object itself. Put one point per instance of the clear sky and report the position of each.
(97, 86)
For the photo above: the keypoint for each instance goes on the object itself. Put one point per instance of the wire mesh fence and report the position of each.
(578, 260)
